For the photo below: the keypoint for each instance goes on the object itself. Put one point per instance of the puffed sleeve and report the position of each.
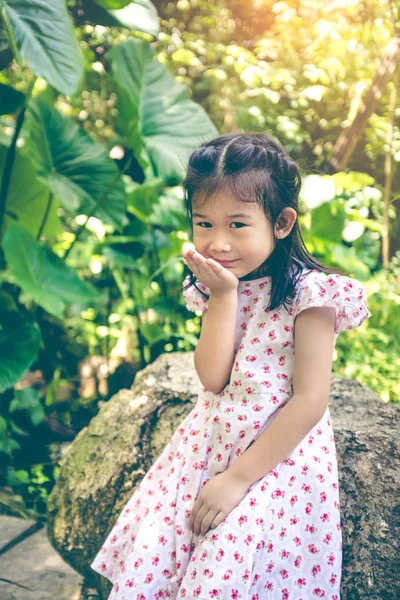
(345, 294)
(194, 300)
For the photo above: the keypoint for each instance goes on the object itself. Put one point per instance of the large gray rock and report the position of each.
(108, 459)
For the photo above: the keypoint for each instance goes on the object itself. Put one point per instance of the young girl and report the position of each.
(243, 503)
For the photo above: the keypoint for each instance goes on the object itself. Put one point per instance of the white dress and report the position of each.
(283, 540)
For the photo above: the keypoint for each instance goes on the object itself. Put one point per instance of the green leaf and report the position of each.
(113, 4)
(157, 110)
(44, 35)
(19, 344)
(77, 170)
(42, 275)
(137, 16)
(28, 198)
(28, 399)
(10, 100)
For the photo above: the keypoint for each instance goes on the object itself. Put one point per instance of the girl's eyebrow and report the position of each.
(244, 215)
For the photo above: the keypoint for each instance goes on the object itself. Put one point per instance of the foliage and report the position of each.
(94, 140)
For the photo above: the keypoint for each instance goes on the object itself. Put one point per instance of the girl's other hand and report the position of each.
(216, 277)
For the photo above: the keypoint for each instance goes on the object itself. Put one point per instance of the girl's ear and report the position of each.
(285, 222)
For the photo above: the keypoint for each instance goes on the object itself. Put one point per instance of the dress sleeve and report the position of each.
(194, 300)
(345, 294)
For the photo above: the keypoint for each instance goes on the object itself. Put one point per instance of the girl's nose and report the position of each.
(220, 245)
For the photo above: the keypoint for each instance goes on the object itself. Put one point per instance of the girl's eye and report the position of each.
(234, 222)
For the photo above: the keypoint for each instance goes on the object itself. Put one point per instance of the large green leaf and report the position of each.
(137, 16)
(113, 4)
(10, 99)
(44, 35)
(42, 275)
(77, 169)
(19, 343)
(6, 55)
(157, 109)
(28, 198)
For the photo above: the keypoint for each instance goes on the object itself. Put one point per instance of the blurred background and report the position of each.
(101, 103)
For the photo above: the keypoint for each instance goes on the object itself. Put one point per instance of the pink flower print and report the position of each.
(245, 309)
(297, 561)
(214, 593)
(332, 579)
(194, 574)
(199, 466)
(237, 383)
(285, 594)
(167, 573)
(331, 560)
(266, 383)
(269, 586)
(313, 549)
(228, 427)
(325, 517)
(323, 496)
(167, 520)
(281, 513)
(270, 566)
(270, 548)
(311, 528)
(319, 593)
(278, 493)
(103, 567)
(297, 541)
(272, 334)
(231, 538)
(208, 573)
(283, 573)
(186, 497)
(309, 507)
(321, 478)
(246, 575)
(149, 578)
(306, 488)
(282, 361)
(185, 548)
(255, 340)
(162, 540)
(260, 521)
(294, 520)
(266, 369)
(301, 582)
(275, 317)
(310, 440)
(249, 374)
(238, 557)
(246, 291)
(304, 469)
(196, 592)
(327, 538)
(113, 539)
(292, 480)
(129, 583)
(251, 358)
(268, 351)
(282, 376)
(235, 594)
(293, 500)
(195, 448)
(220, 555)
(283, 533)
(227, 575)
(261, 325)
(325, 449)
(242, 519)
(115, 554)
(253, 502)
(155, 560)
(284, 554)
(137, 563)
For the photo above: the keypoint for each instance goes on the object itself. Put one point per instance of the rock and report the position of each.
(108, 459)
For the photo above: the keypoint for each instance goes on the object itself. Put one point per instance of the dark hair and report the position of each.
(255, 167)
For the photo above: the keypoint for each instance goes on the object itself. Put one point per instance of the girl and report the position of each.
(243, 503)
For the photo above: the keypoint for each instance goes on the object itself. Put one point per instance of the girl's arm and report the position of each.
(214, 354)
(314, 342)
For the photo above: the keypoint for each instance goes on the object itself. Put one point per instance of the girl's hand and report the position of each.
(217, 498)
(216, 277)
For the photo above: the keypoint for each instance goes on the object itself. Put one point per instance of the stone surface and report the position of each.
(32, 568)
(108, 459)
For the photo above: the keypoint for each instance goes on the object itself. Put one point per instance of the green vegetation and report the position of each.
(101, 103)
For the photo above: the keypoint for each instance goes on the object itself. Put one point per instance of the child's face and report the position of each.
(247, 241)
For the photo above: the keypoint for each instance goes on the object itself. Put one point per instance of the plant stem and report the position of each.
(10, 156)
(46, 214)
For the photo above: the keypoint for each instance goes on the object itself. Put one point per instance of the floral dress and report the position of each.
(283, 540)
